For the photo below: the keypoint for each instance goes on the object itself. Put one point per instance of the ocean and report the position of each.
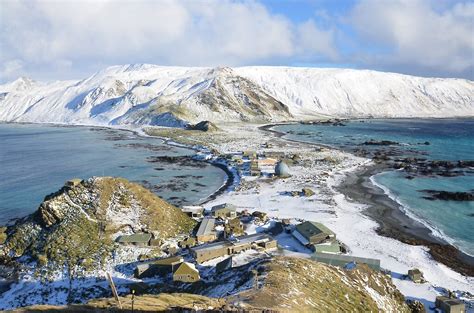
(36, 160)
(449, 139)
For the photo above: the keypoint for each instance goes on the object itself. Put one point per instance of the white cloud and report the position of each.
(11, 69)
(53, 39)
(416, 34)
(165, 32)
(314, 40)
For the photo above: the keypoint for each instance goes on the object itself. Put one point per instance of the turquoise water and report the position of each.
(36, 160)
(449, 140)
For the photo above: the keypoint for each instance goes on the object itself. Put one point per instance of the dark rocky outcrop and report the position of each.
(380, 143)
(331, 122)
(448, 195)
(203, 126)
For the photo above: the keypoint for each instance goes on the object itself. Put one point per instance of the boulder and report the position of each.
(307, 192)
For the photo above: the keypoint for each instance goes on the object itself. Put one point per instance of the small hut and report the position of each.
(186, 273)
(415, 275)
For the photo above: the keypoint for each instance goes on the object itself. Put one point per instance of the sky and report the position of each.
(71, 39)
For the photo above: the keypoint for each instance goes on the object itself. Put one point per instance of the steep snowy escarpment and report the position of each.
(146, 94)
(362, 93)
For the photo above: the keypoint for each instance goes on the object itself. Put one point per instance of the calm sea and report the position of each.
(449, 140)
(36, 160)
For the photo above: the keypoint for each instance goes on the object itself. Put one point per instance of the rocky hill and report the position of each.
(77, 225)
(145, 94)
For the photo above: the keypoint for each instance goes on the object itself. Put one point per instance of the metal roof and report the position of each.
(206, 227)
(341, 259)
(169, 261)
(186, 268)
(253, 238)
(309, 229)
(224, 206)
(242, 240)
(192, 208)
(212, 246)
(138, 237)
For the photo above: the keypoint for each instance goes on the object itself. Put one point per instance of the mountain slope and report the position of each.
(146, 94)
(361, 93)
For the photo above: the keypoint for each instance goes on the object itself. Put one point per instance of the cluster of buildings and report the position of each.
(251, 163)
(258, 241)
(322, 241)
(219, 233)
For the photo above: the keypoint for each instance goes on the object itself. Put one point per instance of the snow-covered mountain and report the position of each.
(172, 96)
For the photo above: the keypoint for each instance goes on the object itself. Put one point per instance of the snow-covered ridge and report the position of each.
(354, 93)
(157, 95)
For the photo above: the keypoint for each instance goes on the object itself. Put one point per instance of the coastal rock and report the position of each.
(307, 192)
(380, 143)
(332, 122)
(416, 306)
(448, 195)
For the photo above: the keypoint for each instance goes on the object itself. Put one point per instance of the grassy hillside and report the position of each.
(78, 224)
(285, 284)
(301, 285)
(164, 302)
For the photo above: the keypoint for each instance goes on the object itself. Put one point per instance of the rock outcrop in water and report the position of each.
(448, 195)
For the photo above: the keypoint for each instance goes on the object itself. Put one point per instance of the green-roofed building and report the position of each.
(138, 239)
(311, 233)
(328, 247)
(161, 267)
(342, 260)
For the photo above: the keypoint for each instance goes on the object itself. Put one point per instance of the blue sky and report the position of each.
(53, 39)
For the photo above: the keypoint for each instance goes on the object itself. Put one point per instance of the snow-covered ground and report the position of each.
(319, 169)
(345, 218)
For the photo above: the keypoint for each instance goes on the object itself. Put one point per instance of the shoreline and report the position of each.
(356, 187)
(225, 187)
(228, 182)
(393, 222)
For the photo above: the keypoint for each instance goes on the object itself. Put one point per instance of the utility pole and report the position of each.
(255, 279)
(133, 298)
(114, 290)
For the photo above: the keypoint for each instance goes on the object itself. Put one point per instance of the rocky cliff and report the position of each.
(78, 224)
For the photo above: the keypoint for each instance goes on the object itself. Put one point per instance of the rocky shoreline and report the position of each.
(393, 222)
(230, 180)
